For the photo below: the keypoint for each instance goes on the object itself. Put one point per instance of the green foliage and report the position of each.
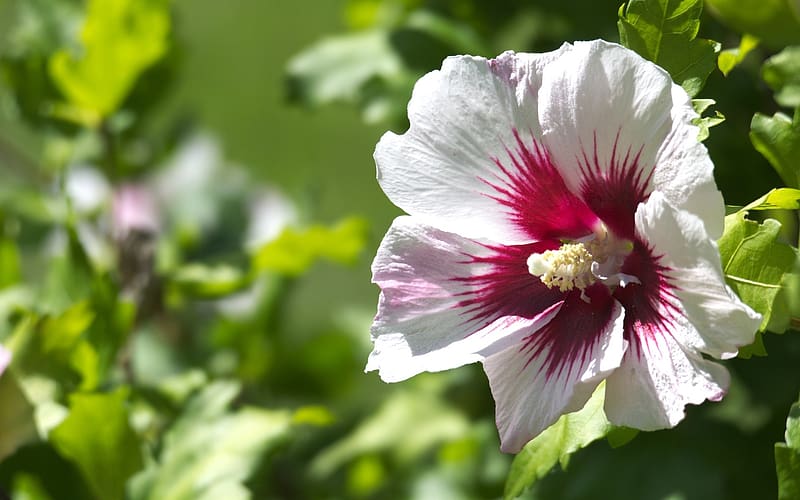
(755, 262)
(778, 139)
(375, 68)
(119, 40)
(557, 443)
(293, 252)
(665, 32)
(772, 21)
(97, 453)
(706, 122)
(408, 424)
(203, 281)
(16, 416)
(787, 457)
(211, 359)
(56, 347)
(730, 58)
(782, 74)
(210, 450)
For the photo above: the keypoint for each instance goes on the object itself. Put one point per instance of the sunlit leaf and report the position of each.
(55, 347)
(781, 198)
(787, 457)
(706, 122)
(665, 32)
(294, 251)
(777, 137)
(730, 58)
(210, 451)
(98, 438)
(557, 443)
(200, 280)
(782, 74)
(754, 263)
(119, 40)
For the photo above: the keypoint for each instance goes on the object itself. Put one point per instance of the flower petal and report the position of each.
(469, 121)
(447, 301)
(556, 369)
(618, 127)
(657, 379)
(5, 359)
(718, 321)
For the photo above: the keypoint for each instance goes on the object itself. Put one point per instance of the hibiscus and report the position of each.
(561, 227)
(5, 359)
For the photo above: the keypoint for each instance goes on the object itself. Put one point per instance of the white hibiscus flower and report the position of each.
(561, 227)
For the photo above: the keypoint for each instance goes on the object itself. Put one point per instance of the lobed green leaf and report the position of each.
(755, 262)
(558, 442)
(98, 438)
(665, 32)
(120, 39)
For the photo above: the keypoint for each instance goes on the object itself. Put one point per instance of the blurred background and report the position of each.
(189, 211)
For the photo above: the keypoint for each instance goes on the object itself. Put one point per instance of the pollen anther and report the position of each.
(566, 268)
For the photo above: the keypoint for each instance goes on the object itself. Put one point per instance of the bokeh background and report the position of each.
(237, 371)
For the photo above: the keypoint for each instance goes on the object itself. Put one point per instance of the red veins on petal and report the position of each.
(568, 338)
(649, 306)
(614, 192)
(507, 289)
(536, 196)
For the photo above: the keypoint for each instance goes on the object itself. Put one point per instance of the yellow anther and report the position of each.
(566, 268)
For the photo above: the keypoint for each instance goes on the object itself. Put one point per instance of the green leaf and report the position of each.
(706, 122)
(782, 198)
(787, 457)
(294, 251)
(120, 39)
(771, 21)
(407, 425)
(55, 346)
(665, 32)
(204, 281)
(557, 443)
(782, 74)
(16, 416)
(778, 139)
(98, 438)
(210, 451)
(336, 69)
(754, 263)
(730, 58)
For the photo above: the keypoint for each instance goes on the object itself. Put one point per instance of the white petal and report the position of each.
(528, 400)
(718, 321)
(5, 359)
(421, 324)
(657, 380)
(602, 99)
(462, 117)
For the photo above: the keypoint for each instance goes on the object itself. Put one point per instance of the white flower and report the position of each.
(561, 232)
(5, 359)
